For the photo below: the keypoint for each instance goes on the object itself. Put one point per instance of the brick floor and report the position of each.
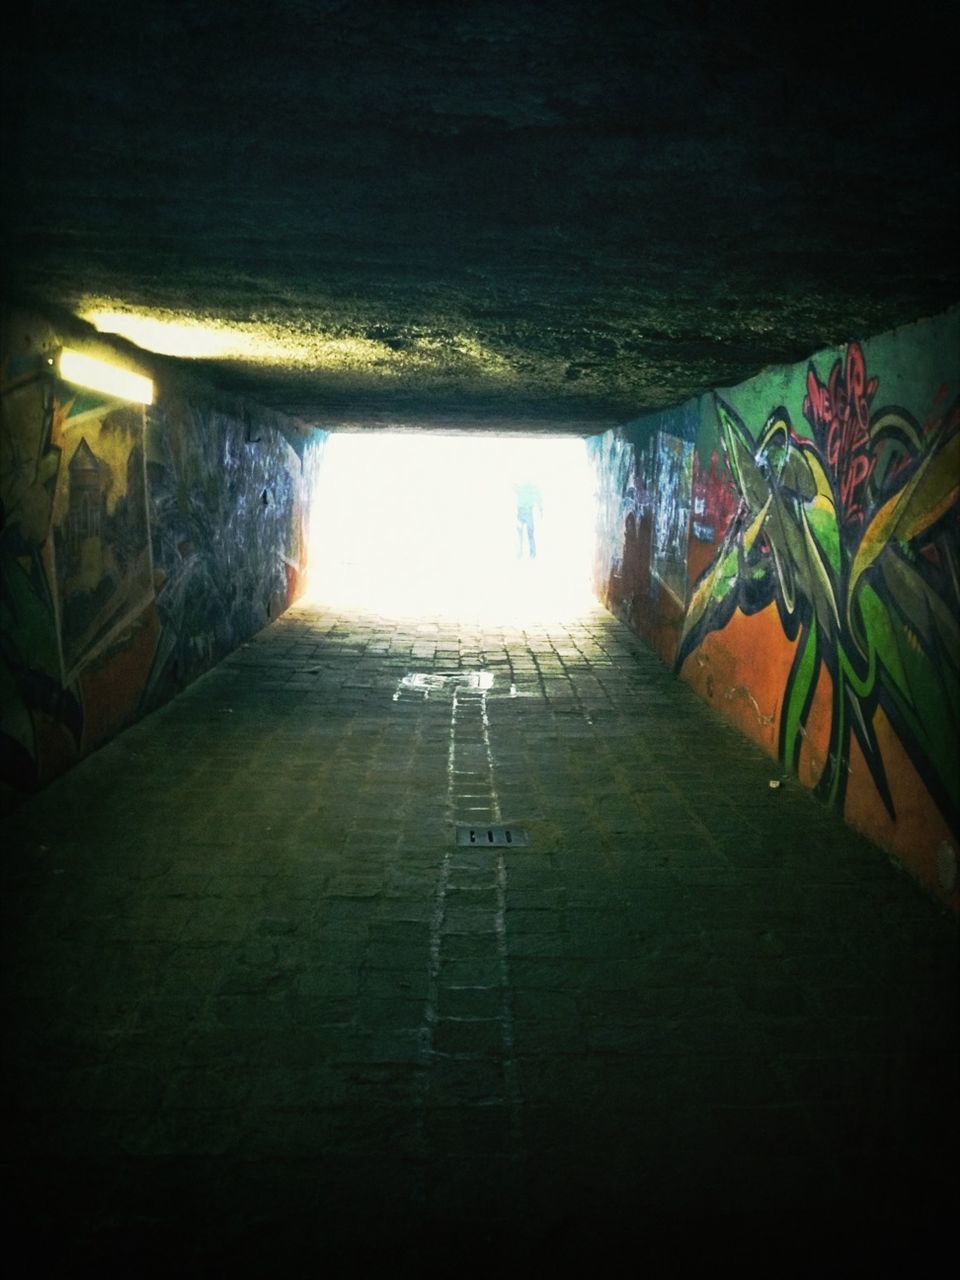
(264, 1014)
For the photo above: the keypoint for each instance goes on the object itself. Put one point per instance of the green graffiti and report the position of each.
(853, 535)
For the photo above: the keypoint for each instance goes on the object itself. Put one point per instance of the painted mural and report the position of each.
(823, 578)
(101, 544)
(226, 507)
(137, 549)
(41, 718)
(645, 472)
(620, 504)
(672, 519)
(849, 534)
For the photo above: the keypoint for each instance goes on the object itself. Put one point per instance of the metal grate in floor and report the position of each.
(432, 680)
(490, 834)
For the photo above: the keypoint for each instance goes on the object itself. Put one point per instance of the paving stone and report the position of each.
(469, 1036)
(470, 1002)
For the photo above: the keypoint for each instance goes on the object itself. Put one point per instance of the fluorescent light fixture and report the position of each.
(187, 339)
(86, 371)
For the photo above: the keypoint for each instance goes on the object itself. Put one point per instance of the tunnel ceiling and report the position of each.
(497, 215)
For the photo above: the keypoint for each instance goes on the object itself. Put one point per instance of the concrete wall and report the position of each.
(790, 545)
(139, 545)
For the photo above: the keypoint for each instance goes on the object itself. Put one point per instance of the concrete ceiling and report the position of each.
(499, 215)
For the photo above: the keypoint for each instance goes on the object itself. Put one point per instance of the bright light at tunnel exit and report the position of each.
(412, 524)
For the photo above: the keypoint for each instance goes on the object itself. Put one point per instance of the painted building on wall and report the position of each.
(140, 545)
(790, 546)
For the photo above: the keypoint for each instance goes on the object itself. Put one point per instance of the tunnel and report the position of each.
(479, 639)
(373, 890)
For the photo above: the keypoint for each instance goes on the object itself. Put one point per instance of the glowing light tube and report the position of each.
(86, 371)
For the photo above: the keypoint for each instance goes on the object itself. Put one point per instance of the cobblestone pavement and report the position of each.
(266, 1016)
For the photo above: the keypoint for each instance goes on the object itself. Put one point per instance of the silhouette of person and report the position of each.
(529, 506)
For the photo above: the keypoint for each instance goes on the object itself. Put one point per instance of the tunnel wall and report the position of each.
(790, 546)
(140, 545)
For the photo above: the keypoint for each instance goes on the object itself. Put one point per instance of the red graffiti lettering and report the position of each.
(839, 413)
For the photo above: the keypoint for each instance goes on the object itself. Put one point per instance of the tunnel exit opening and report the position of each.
(489, 526)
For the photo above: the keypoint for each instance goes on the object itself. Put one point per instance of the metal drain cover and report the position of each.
(447, 679)
(489, 834)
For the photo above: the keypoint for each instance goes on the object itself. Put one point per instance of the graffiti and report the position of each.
(135, 552)
(625, 473)
(101, 544)
(225, 517)
(852, 535)
(714, 498)
(39, 718)
(672, 521)
(839, 412)
(616, 500)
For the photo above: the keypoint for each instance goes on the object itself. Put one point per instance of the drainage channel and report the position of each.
(469, 720)
(510, 1073)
